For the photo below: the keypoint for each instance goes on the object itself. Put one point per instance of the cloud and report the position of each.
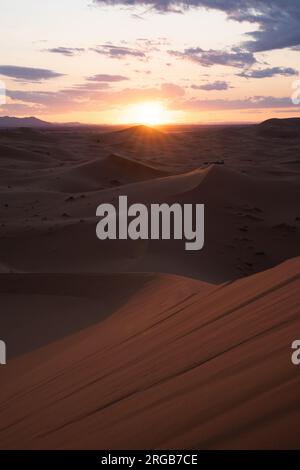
(103, 77)
(88, 87)
(27, 73)
(152, 44)
(277, 22)
(208, 58)
(172, 90)
(146, 72)
(12, 109)
(118, 52)
(84, 99)
(255, 102)
(217, 85)
(269, 72)
(159, 5)
(66, 51)
(279, 25)
(77, 100)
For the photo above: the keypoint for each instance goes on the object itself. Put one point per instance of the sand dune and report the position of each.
(47, 307)
(9, 154)
(106, 351)
(134, 133)
(281, 128)
(210, 369)
(113, 170)
(251, 224)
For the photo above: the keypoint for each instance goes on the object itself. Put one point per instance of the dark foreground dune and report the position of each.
(174, 367)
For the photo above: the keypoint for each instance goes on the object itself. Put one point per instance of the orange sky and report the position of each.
(73, 60)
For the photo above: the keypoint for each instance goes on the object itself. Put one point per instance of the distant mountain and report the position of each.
(10, 122)
(33, 122)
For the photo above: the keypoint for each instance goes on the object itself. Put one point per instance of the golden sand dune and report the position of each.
(46, 307)
(175, 366)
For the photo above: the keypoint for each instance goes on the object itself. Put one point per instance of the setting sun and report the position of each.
(151, 113)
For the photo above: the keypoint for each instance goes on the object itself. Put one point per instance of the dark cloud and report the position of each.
(27, 73)
(269, 72)
(217, 85)
(103, 77)
(118, 52)
(278, 21)
(208, 58)
(66, 51)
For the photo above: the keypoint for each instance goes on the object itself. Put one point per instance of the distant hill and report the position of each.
(140, 131)
(134, 134)
(288, 128)
(11, 122)
(287, 122)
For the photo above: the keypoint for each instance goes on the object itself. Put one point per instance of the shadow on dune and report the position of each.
(41, 308)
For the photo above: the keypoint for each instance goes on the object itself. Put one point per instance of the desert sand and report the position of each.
(142, 344)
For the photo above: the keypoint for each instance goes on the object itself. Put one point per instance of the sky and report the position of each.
(190, 61)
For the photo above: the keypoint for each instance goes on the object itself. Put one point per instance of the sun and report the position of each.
(150, 113)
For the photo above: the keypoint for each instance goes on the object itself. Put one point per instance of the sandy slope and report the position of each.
(207, 369)
(40, 308)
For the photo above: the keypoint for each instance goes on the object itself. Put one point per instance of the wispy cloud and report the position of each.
(104, 77)
(28, 73)
(218, 85)
(255, 102)
(66, 51)
(152, 44)
(118, 52)
(269, 72)
(208, 58)
(85, 99)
